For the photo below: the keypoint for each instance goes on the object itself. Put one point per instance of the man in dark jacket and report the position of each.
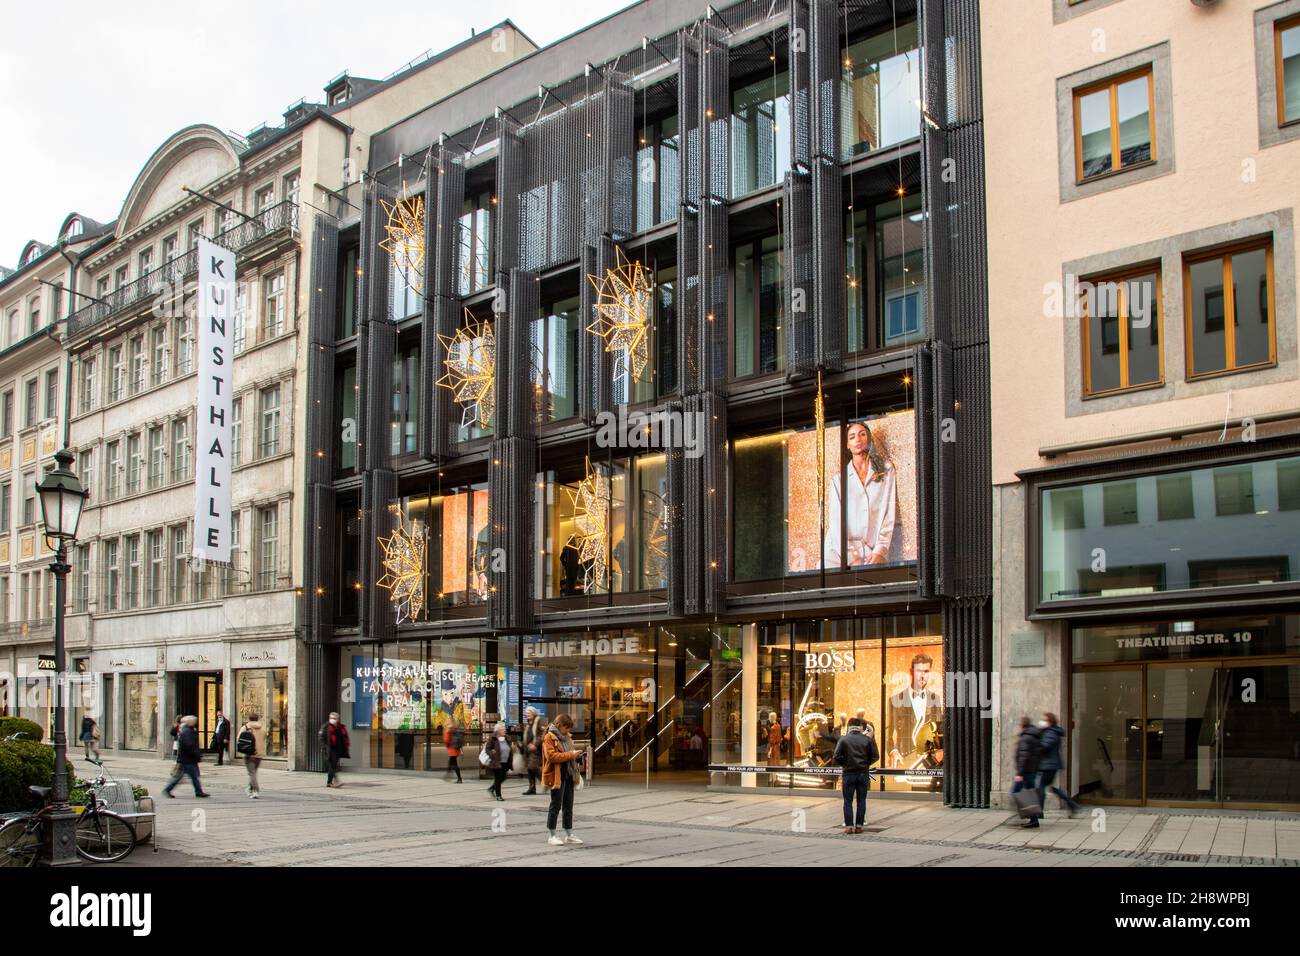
(221, 738)
(856, 752)
(334, 740)
(1052, 735)
(1029, 755)
(187, 757)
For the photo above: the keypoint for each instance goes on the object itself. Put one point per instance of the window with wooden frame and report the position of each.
(1115, 124)
(1286, 57)
(1120, 331)
(1229, 296)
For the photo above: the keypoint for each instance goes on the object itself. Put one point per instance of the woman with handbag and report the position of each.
(89, 734)
(495, 756)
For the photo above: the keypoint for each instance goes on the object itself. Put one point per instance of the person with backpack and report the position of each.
(495, 756)
(1029, 756)
(453, 738)
(334, 741)
(1051, 734)
(856, 751)
(251, 744)
(89, 734)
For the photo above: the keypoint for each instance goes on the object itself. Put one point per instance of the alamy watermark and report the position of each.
(661, 428)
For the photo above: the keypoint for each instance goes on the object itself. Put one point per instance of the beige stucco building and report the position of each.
(1143, 176)
(168, 634)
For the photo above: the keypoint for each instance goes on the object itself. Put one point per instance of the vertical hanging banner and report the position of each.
(212, 411)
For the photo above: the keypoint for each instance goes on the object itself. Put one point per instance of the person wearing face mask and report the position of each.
(1051, 736)
(334, 741)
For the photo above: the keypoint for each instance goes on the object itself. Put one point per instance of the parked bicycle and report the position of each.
(102, 835)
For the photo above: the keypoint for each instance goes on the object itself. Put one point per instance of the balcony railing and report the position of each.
(282, 217)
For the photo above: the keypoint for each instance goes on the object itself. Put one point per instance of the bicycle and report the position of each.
(102, 836)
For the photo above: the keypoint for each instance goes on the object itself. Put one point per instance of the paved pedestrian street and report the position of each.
(393, 819)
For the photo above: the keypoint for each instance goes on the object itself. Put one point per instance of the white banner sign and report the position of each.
(216, 378)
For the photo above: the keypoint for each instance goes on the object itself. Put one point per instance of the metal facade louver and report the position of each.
(322, 523)
(378, 491)
(442, 307)
(802, 106)
(516, 407)
(427, 394)
(674, 466)
(320, 348)
(797, 274)
(512, 500)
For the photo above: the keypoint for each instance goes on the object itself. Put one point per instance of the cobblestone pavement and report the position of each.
(391, 819)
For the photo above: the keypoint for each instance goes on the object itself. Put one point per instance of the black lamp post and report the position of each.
(62, 498)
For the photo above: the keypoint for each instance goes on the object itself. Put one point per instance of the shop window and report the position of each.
(657, 173)
(453, 528)
(882, 91)
(347, 319)
(1288, 486)
(869, 499)
(1115, 124)
(1287, 57)
(265, 693)
(759, 299)
(885, 275)
(628, 536)
(141, 712)
(1200, 528)
(760, 134)
(405, 284)
(1121, 332)
(1229, 298)
(404, 410)
(555, 337)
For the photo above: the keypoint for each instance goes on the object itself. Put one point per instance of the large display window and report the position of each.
(265, 692)
(863, 517)
(1195, 712)
(1229, 525)
(141, 711)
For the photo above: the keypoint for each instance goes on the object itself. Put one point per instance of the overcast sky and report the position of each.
(88, 90)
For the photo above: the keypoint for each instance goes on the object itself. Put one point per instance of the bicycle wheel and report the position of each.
(104, 837)
(20, 842)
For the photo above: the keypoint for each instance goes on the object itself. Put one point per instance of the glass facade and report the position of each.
(760, 134)
(1199, 711)
(882, 91)
(452, 527)
(1224, 526)
(555, 337)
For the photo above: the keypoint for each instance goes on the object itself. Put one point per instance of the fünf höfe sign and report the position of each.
(212, 429)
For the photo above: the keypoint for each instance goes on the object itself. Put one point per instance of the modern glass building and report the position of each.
(649, 383)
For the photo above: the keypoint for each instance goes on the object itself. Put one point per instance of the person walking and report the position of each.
(453, 738)
(856, 752)
(1029, 751)
(561, 770)
(89, 734)
(188, 756)
(251, 745)
(334, 741)
(534, 731)
(176, 731)
(1051, 735)
(221, 738)
(498, 750)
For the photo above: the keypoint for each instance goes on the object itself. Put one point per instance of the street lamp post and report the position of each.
(62, 498)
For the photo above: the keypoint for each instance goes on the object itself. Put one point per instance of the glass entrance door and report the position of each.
(1260, 752)
(1183, 733)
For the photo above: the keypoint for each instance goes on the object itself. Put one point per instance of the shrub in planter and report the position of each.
(29, 729)
(24, 764)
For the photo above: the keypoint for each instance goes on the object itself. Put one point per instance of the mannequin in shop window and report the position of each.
(775, 736)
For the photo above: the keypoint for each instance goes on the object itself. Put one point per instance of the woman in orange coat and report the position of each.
(560, 771)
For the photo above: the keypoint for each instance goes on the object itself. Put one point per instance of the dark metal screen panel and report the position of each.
(688, 118)
(797, 274)
(446, 215)
(377, 391)
(445, 313)
(511, 563)
(322, 698)
(801, 87)
(715, 290)
(675, 460)
(693, 522)
(322, 321)
(426, 395)
(926, 432)
(378, 491)
(515, 406)
(601, 361)
(618, 166)
(321, 547)
(378, 274)
(968, 733)
(715, 483)
(510, 169)
(588, 389)
(689, 361)
(715, 113)
(827, 225)
(825, 78)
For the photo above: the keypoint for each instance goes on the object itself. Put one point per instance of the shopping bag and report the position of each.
(1027, 805)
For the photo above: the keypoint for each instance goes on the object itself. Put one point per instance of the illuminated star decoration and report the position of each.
(404, 560)
(656, 557)
(471, 364)
(591, 519)
(623, 319)
(404, 239)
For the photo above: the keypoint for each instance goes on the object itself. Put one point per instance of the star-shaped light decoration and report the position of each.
(471, 364)
(591, 519)
(656, 539)
(622, 306)
(404, 239)
(404, 562)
